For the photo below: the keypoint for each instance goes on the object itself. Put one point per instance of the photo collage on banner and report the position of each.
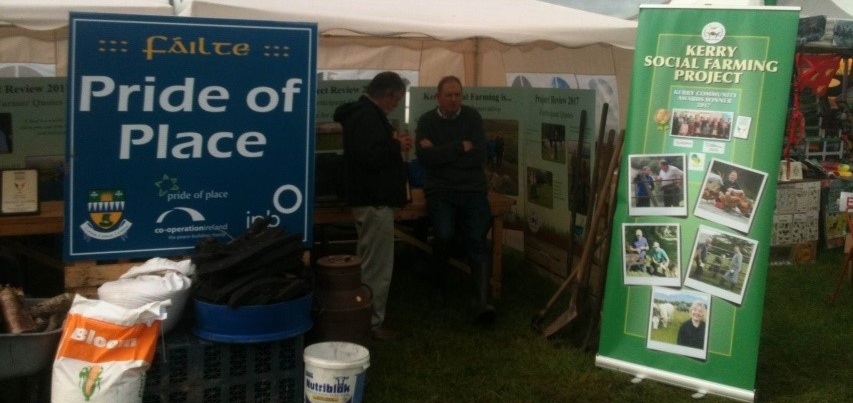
(708, 104)
(719, 264)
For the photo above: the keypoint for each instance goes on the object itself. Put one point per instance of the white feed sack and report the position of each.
(157, 279)
(104, 352)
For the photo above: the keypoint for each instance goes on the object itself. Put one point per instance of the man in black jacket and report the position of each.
(375, 183)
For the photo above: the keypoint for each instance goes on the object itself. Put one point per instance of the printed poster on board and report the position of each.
(32, 129)
(691, 231)
(182, 129)
(552, 141)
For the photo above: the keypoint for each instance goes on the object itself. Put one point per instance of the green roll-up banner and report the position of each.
(691, 234)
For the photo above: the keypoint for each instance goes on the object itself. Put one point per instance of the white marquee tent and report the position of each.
(51, 14)
(479, 40)
(482, 41)
(35, 31)
(508, 21)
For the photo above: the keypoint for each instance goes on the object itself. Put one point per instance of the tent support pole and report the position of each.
(476, 79)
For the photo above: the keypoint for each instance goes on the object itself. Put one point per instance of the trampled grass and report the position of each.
(805, 353)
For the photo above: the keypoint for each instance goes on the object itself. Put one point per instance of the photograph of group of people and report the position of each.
(719, 262)
(712, 125)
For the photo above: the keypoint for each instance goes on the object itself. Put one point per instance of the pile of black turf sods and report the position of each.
(263, 266)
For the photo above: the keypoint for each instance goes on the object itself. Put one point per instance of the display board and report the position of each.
(691, 232)
(32, 129)
(182, 129)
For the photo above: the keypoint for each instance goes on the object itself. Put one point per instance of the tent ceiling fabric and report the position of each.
(508, 21)
(52, 14)
(616, 8)
(840, 9)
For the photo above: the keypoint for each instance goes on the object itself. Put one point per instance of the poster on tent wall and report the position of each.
(182, 129)
(531, 135)
(691, 233)
(606, 90)
(605, 93)
(551, 134)
(32, 129)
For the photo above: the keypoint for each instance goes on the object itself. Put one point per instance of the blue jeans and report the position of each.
(464, 213)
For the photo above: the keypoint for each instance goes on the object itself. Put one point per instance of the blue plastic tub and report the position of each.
(252, 323)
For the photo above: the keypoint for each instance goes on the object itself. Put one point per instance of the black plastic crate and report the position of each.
(189, 369)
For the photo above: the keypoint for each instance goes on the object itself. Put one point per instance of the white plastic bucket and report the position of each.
(335, 372)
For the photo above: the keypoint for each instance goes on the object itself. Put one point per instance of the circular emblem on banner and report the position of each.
(713, 32)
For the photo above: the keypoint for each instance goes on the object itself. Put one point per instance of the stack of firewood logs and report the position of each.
(40, 316)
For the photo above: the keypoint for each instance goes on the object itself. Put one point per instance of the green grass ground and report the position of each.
(805, 353)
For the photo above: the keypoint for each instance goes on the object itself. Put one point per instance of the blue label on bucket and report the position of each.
(359, 388)
(327, 387)
(340, 386)
(335, 372)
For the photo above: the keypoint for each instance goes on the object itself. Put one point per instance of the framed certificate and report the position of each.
(19, 191)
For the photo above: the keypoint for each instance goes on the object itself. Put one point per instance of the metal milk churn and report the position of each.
(342, 306)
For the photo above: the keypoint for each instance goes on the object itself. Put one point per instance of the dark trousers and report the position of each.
(671, 196)
(467, 213)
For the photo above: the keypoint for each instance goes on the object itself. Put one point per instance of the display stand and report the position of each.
(824, 149)
(795, 222)
(824, 130)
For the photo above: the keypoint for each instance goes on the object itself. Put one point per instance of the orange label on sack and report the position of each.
(96, 341)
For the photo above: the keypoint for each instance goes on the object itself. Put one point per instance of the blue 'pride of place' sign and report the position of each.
(181, 129)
